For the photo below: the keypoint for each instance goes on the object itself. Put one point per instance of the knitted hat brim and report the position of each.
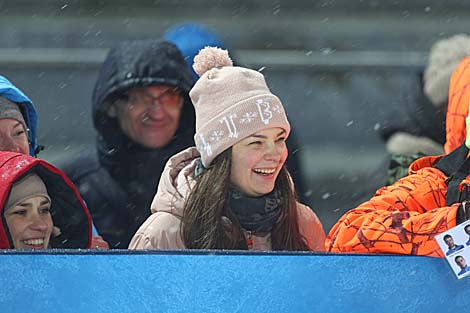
(229, 127)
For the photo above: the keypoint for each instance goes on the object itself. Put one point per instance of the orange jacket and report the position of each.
(457, 110)
(404, 217)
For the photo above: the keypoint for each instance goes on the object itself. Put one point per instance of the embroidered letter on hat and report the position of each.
(232, 128)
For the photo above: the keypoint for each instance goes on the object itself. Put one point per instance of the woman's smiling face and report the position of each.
(30, 223)
(257, 161)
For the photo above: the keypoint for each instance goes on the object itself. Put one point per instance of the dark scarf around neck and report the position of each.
(258, 214)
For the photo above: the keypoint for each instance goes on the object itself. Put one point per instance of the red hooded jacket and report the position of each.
(68, 210)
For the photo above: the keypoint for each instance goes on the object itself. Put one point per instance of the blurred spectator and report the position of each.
(18, 129)
(40, 208)
(18, 120)
(143, 115)
(406, 216)
(423, 131)
(192, 37)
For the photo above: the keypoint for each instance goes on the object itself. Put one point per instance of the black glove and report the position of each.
(463, 213)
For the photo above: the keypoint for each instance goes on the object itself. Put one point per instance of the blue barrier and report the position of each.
(130, 281)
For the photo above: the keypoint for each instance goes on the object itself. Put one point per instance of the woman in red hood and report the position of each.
(40, 207)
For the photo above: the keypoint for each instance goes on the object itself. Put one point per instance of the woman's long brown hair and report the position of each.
(207, 204)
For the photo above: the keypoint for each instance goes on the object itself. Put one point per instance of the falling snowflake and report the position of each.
(216, 135)
(248, 118)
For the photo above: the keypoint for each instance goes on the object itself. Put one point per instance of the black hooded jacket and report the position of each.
(118, 178)
(419, 118)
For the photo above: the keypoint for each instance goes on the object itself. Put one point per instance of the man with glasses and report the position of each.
(149, 115)
(143, 115)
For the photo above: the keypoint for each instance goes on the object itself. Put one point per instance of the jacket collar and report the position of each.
(176, 182)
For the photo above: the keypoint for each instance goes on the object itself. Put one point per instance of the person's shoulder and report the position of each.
(307, 214)
(159, 222)
(311, 227)
(456, 248)
(304, 210)
(160, 231)
(79, 165)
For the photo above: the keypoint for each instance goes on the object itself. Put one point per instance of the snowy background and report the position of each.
(338, 66)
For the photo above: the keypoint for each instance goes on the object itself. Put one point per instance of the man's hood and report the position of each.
(12, 93)
(138, 64)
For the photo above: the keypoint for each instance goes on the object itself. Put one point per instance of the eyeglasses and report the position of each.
(168, 99)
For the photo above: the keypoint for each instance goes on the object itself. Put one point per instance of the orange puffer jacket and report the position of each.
(457, 110)
(404, 218)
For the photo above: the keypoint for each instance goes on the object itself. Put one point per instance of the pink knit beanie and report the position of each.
(231, 104)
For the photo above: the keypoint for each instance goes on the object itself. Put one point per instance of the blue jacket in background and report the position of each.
(190, 38)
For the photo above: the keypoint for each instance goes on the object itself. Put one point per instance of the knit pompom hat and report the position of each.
(231, 103)
(444, 57)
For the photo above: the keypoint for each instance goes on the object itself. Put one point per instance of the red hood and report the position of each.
(457, 111)
(69, 212)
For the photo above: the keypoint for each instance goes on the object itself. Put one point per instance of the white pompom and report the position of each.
(211, 57)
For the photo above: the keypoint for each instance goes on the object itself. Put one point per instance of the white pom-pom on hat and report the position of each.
(209, 58)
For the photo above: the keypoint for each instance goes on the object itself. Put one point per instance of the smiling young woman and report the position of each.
(231, 191)
(40, 207)
(28, 214)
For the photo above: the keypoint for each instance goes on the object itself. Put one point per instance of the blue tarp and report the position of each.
(165, 281)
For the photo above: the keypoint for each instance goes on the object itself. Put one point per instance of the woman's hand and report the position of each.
(97, 242)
